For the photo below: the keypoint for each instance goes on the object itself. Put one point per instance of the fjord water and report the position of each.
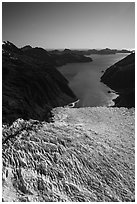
(84, 80)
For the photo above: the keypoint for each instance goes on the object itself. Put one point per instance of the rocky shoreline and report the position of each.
(121, 78)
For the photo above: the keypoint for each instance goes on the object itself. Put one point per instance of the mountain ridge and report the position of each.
(121, 78)
(31, 84)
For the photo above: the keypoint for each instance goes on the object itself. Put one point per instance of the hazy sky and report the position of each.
(69, 24)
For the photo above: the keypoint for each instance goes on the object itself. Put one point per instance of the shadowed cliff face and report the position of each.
(31, 85)
(121, 78)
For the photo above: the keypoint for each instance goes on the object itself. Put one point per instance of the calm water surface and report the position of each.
(84, 80)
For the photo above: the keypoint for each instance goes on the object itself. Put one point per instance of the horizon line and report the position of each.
(55, 48)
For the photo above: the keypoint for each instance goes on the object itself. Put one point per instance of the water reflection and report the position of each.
(84, 80)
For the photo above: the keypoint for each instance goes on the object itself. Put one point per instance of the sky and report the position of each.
(72, 25)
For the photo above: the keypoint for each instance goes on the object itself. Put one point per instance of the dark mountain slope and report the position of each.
(54, 58)
(121, 78)
(39, 54)
(30, 86)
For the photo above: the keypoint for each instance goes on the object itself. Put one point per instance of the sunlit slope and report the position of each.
(86, 154)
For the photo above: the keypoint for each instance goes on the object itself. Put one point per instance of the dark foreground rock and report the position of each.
(121, 78)
(31, 85)
(84, 155)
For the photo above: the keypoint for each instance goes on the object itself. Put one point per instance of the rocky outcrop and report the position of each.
(31, 85)
(84, 155)
(121, 78)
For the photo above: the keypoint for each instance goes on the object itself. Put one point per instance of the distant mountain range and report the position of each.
(91, 51)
